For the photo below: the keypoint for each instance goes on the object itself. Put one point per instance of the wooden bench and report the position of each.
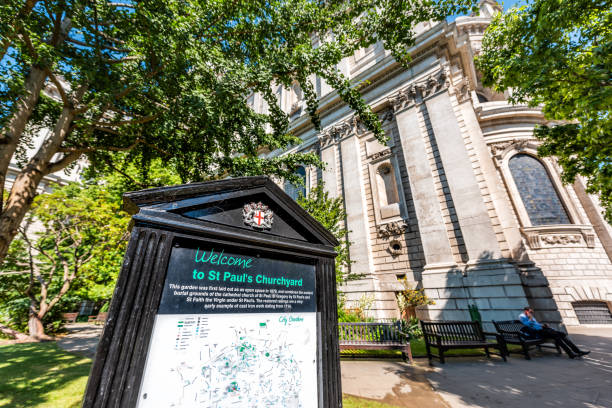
(459, 335)
(374, 336)
(99, 318)
(69, 317)
(510, 330)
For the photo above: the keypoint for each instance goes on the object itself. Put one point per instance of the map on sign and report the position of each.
(232, 330)
(238, 360)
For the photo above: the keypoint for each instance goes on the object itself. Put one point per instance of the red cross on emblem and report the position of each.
(259, 216)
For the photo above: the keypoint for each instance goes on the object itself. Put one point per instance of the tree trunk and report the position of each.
(11, 133)
(24, 188)
(13, 333)
(36, 328)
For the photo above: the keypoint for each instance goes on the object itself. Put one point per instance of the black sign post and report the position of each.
(227, 297)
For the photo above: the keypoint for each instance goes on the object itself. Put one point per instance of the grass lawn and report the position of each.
(41, 375)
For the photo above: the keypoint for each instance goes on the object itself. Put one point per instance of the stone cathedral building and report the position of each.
(458, 201)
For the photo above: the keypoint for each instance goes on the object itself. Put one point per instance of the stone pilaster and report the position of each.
(480, 240)
(356, 210)
(436, 246)
(328, 156)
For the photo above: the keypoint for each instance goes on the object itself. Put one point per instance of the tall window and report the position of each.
(537, 191)
(294, 190)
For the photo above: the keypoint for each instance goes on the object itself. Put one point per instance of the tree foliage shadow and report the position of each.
(31, 371)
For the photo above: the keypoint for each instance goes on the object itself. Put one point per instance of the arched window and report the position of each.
(294, 190)
(537, 192)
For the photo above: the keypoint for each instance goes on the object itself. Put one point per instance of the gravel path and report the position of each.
(82, 338)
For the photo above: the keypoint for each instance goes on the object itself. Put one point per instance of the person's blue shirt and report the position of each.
(530, 322)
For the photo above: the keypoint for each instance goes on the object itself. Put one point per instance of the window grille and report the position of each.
(592, 312)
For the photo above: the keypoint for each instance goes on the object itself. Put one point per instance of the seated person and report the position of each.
(538, 330)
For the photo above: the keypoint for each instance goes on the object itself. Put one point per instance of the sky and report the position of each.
(505, 3)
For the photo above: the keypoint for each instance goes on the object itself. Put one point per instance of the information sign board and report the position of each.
(226, 298)
(232, 330)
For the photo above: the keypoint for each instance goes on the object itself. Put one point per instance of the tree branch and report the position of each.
(121, 60)
(59, 87)
(105, 46)
(144, 119)
(121, 5)
(63, 162)
(124, 174)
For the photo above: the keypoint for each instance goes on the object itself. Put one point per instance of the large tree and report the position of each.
(557, 54)
(169, 79)
(76, 241)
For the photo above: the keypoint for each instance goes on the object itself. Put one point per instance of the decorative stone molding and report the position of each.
(295, 107)
(417, 91)
(392, 228)
(333, 134)
(413, 94)
(386, 115)
(499, 149)
(381, 155)
(473, 27)
(462, 90)
(395, 248)
(549, 236)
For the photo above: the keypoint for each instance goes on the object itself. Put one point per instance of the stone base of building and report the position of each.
(493, 286)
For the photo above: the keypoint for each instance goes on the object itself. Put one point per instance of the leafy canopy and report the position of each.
(558, 54)
(70, 247)
(169, 78)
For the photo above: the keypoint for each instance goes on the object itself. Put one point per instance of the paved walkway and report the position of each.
(82, 338)
(545, 381)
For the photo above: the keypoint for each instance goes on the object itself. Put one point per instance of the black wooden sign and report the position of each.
(226, 298)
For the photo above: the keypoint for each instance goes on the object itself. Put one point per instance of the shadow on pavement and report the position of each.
(547, 380)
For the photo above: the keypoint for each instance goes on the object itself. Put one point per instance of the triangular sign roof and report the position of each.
(216, 208)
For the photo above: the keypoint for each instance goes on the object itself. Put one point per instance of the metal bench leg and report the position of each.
(503, 351)
(441, 353)
(487, 352)
(526, 351)
(429, 356)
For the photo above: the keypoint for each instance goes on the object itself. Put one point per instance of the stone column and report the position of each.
(436, 245)
(440, 278)
(328, 156)
(494, 285)
(356, 220)
(354, 202)
(479, 237)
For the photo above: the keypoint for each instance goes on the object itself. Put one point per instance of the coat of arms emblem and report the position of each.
(257, 215)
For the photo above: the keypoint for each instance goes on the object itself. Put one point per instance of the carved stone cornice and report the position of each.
(500, 149)
(393, 228)
(516, 144)
(342, 130)
(548, 236)
(461, 89)
(416, 92)
(381, 155)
